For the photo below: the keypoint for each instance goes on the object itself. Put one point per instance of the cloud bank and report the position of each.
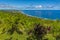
(29, 7)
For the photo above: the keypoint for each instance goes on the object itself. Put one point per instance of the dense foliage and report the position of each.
(17, 26)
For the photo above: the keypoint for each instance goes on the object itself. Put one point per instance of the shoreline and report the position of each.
(37, 17)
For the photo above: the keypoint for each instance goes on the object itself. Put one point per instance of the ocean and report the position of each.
(48, 14)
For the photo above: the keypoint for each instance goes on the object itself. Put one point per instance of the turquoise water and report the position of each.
(49, 14)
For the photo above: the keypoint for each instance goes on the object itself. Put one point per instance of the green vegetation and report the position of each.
(16, 26)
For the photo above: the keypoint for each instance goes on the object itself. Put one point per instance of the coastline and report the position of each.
(37, 17)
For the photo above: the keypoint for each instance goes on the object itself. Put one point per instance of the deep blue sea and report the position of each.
(49, 14)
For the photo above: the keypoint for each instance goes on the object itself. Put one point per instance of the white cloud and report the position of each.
(50, 6)
(38, 6)
(6, 6)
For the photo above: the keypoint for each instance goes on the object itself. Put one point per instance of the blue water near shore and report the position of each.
(49, 14)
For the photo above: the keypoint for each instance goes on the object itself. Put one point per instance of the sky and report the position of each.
(30, 4)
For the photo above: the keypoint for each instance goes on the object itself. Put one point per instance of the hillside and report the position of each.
(17, 26)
